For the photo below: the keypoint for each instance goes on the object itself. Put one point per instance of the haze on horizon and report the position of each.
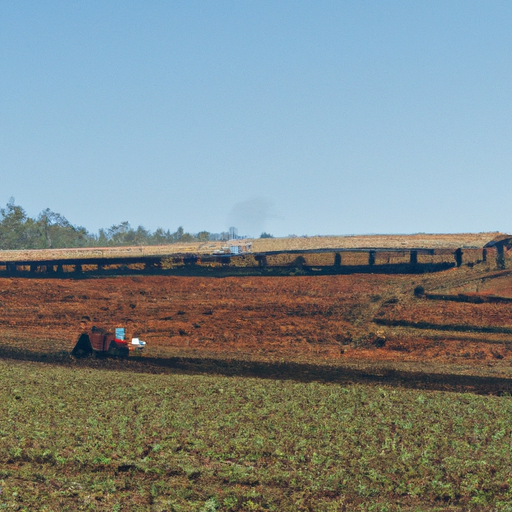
(286, 117)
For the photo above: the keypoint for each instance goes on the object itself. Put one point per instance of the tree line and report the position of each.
(50, 230)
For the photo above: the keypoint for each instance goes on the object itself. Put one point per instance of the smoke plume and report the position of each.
(251, 216)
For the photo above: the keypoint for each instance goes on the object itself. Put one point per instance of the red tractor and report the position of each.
(99, 342)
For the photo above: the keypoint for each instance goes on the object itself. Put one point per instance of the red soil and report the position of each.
(310, 318)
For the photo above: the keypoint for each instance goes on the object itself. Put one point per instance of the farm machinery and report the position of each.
(99, 342)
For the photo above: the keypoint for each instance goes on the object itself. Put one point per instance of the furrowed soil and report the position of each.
(348, 392)
(368, 321)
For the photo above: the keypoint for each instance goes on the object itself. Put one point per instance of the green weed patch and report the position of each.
(94, 439)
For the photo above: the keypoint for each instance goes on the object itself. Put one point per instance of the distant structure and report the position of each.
(233, 233)
(412, 254)
(242, 247)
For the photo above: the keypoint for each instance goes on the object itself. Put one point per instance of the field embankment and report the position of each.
(432, 241)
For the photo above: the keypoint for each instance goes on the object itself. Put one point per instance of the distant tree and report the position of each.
(140, 236)
(102, 239)
(178, 234)
(17, 231)
(203, 236)
(46, 220)
(57, 232)
(161, 237)
(266, 235)
(117, 234)
(53, 230)
(187, 237)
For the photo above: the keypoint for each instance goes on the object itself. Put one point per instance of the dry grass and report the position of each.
(110, 252)
(422, 240)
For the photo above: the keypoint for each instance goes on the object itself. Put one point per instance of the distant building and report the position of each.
(241, 247)
(233, 233)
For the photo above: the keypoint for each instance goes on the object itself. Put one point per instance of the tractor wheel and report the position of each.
(83, 347)
(117, 351)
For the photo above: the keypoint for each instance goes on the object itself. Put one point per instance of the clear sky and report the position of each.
(293, 117)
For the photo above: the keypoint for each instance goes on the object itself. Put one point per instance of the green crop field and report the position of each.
(97, 439)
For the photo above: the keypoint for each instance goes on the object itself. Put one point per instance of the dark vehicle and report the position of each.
(100, 342)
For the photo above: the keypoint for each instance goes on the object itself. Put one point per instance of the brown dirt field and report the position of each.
(500, 285)
(321, 319)
(451, 313)
(300, 314)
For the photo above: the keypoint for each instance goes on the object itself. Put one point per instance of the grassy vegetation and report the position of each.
(95, 439)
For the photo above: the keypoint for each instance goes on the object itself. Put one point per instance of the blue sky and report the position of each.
(295, 117)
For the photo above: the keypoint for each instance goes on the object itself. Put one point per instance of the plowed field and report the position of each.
(300, 315)
(322, 319)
